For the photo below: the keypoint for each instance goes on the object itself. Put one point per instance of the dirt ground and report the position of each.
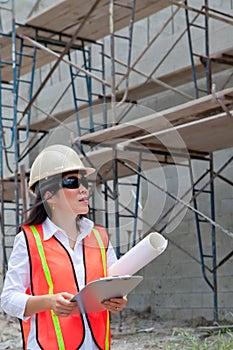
(131, 331)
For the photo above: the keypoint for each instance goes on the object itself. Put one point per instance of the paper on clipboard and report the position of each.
(90, 298)
(140, 255)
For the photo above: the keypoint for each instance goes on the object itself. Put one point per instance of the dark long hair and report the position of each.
(38, 212)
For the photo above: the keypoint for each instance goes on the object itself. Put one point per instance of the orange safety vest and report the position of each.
(63, 278)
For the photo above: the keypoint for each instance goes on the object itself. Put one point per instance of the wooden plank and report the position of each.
(66, 18)
(122, 18)
(102, 160)
(64, 14)
(200, 138)
(176, 78)
(206, 135)
(69, 13)
(193, 110)
(210, 137)
(184, 113)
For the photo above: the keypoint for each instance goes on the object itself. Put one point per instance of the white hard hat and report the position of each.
(54, 160)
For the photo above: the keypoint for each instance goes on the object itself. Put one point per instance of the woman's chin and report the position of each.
(83, 212)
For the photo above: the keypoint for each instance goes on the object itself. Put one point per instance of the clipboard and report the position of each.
(90, 298)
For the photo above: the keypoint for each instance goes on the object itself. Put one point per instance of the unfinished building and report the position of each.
(143, 91)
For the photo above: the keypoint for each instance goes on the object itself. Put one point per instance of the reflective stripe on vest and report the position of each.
(103, 254)
(55, 319)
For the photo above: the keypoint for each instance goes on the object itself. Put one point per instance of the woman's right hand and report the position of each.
(61, 304)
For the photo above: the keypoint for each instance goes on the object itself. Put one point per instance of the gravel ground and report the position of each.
(137, 332)
(10, 335)
(133, 331)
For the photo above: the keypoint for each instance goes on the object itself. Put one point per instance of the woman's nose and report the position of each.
(82, 188)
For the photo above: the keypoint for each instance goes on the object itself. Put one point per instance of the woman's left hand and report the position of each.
(115, 304)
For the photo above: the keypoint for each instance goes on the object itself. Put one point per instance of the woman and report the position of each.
(55, 255)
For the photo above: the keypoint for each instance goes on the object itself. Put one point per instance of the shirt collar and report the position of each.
(50, 229)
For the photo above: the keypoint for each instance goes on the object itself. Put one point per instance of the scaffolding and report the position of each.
(105, 127)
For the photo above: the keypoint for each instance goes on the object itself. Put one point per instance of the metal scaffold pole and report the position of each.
(113, 57)
(112, 50)
(9, 144)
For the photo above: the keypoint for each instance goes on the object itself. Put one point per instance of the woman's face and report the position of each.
(73, 196)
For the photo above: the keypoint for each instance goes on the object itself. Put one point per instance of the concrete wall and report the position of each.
(173, 286)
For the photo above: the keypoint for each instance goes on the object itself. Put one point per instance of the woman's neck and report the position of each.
(69, 224)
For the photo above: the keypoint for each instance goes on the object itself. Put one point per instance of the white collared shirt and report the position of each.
(17, 281)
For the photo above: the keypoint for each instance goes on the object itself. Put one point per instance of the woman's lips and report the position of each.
(84, 200)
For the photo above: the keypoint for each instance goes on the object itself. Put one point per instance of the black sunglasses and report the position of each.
(74, 182)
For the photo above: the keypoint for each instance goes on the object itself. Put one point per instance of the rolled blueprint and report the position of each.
(139, 256)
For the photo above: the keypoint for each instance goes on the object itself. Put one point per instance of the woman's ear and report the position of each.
(49, 202)
(49, 197)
